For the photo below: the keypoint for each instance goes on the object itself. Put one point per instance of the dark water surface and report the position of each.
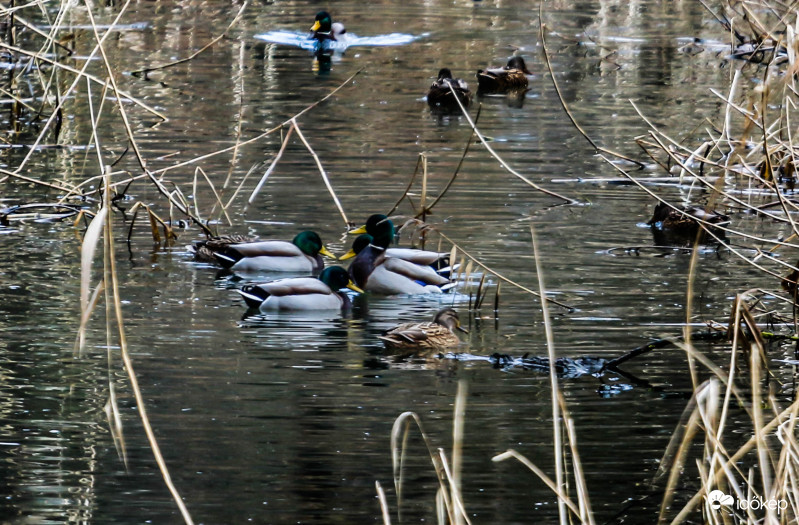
(286, 419)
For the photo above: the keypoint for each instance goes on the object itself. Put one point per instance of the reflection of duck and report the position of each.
(374, 270)
(204, 250)
(426, 336)
(324, 28)
(302, 293)
(441, 96)
(680, 224)
(302, 254)
(512, 77)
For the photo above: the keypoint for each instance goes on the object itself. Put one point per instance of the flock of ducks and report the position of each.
(376, 268)
(445, 93)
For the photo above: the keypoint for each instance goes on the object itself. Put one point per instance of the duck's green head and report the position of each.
(311, 244)
(337, 278)
(380, 228)
(322, 23)
(358, 245)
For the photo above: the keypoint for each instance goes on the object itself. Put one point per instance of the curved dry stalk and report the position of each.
(134, 383)
(322, 172)
(270, 168)
(500, 159)
(198, 52)
(499, 275)
(435, 458)
(428, 208)
(510, 453)
(563, 104)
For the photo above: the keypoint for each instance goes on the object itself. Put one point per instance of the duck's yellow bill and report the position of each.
(352, 286)
(462, 329)
(357, 231)
(316, 25)
(324, 251)
(349, 255)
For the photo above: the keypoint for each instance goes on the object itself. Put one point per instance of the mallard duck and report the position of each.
(503, 79)
(426, 336)
(325, 29)
(679, 225)
(374, 270)
(436, 260)
(442, 97)
(302, 254)
(204, 250)
(302, 293)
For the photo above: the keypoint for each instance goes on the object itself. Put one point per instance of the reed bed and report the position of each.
(743, 164)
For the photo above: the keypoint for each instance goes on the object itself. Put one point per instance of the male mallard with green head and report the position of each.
(440, 333)
(445, 90)
(302, 254)
(373, 269)
(324, 28)
(512, 77)
(302, 293)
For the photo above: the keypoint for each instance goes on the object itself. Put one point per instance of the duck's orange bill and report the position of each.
(352, 286)
(324, 251)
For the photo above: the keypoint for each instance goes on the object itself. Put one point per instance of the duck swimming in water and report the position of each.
(325, 29)
(373, 269)
(302, 293)
(302, 254)
(512, 77)
(440, 96)
(679, 225)
(438, 334)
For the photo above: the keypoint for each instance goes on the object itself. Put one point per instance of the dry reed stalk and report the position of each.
(499, 159)
(55, 112)
(510, 453)
(194, 55)
(557, 438)
(213, 189)
(322, 172)
(381, 496)
(563, 104)
(586, 514)
(458, 419)
(448, 185)
(271, 167)
(499, 275)
(88, 248)
(408, 188)
(448, 494)
(123, 346)
(81, 73)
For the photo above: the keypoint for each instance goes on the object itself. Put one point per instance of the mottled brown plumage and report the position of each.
(204, 250)
(418, 337)
(512, 77)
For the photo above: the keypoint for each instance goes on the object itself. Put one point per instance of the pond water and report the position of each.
(287, 419)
